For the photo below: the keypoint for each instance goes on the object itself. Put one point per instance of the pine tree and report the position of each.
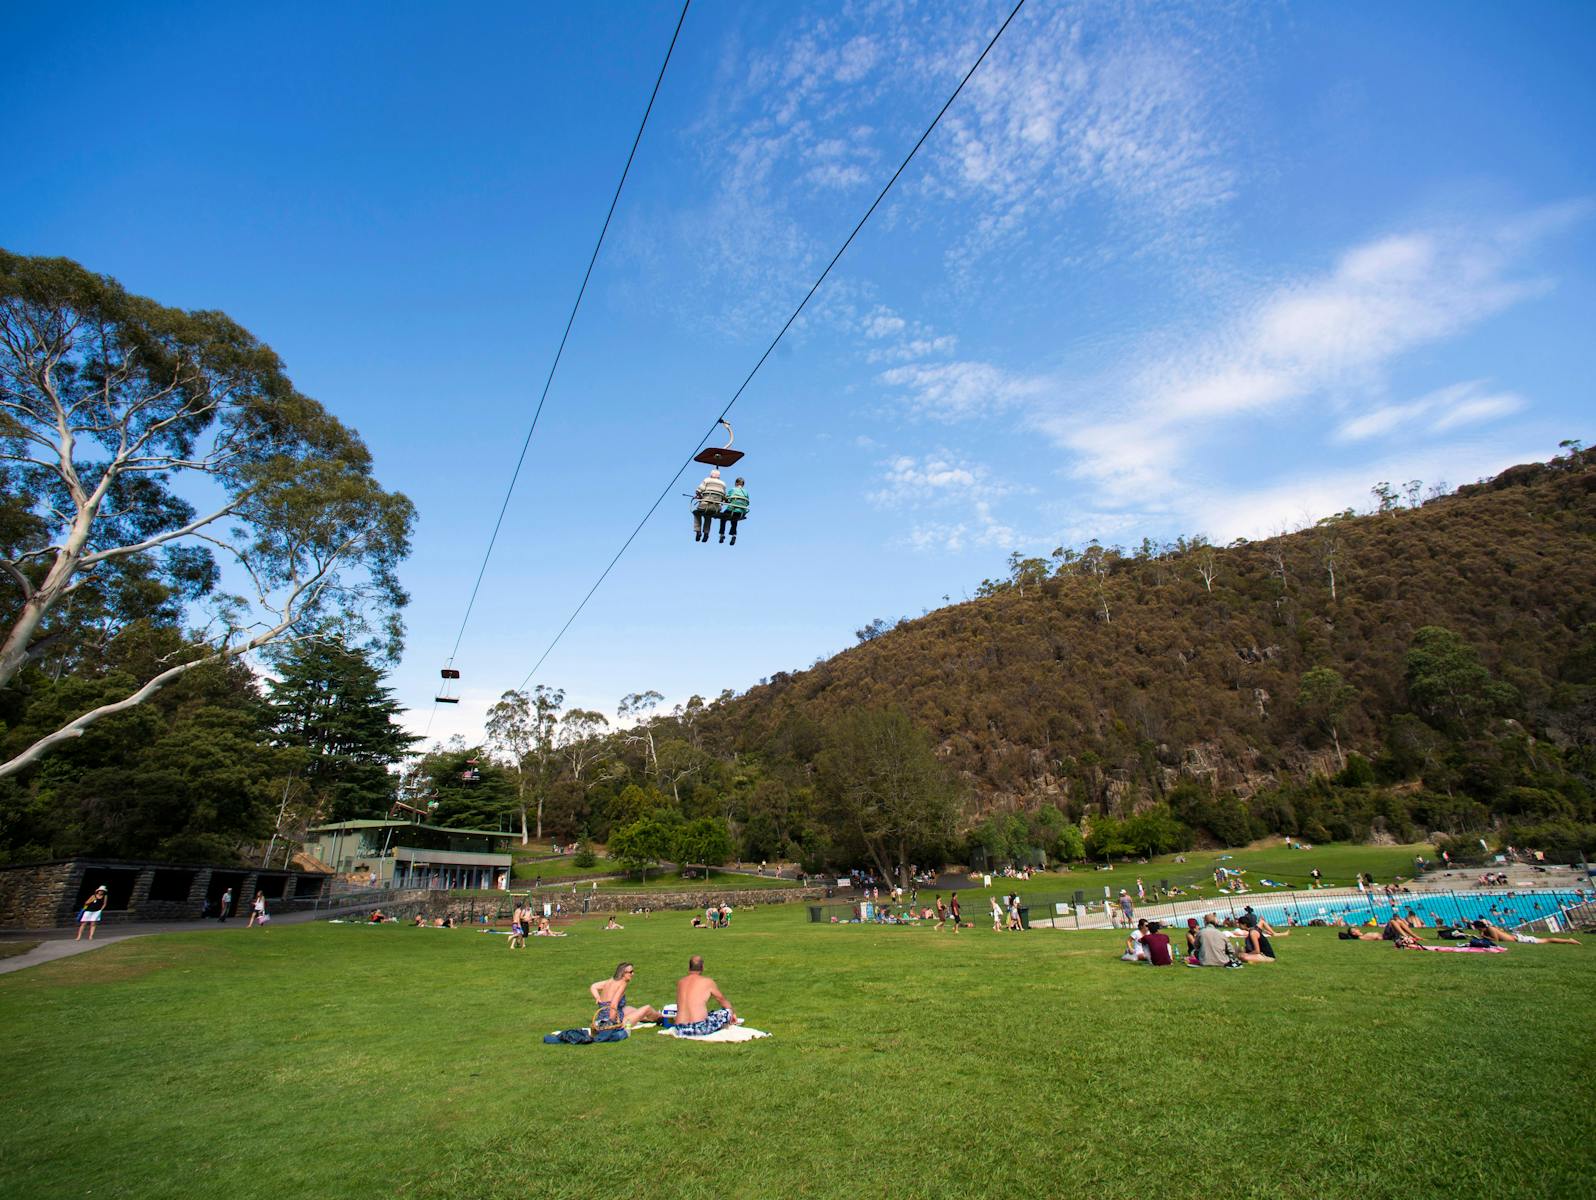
(330, 702)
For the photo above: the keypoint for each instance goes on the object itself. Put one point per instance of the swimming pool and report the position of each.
(1500, 906)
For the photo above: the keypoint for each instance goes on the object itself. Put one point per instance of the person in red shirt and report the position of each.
(1156, 943)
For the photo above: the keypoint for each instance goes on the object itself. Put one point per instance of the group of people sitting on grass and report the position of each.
(716, 916)
(1211, 944)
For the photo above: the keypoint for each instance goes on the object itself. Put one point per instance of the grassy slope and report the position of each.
(1339, 864)
(355, 1061)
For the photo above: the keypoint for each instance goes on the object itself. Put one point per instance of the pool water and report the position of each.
(1500, 907)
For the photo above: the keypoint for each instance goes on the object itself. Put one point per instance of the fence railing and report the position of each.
(1509, 908)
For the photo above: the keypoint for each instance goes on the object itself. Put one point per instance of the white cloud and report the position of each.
(981, 530)
(960, 390)
(1131, 110)
(883, 322)
(936, 478)
(1448, 408)
(1304, 496)
(1330, 337)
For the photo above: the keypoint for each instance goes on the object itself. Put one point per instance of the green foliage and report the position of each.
(885, 789)
(464, 788)
(330, 703)
(1447, 682)
(646, 841)
(190, 776)
(584, 856)
(121, 409)
(704, 842)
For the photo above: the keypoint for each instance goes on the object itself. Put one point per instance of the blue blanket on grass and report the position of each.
(583, 1037)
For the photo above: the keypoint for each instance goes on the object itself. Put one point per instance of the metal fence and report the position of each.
(1510, 908)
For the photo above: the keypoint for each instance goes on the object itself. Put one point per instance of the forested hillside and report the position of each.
(1427, 669)
(1445, 650)
(1113, 672)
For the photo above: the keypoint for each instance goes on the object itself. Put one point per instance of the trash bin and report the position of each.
(814, 915)
(1025, 916)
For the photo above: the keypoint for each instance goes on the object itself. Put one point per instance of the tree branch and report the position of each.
(88, 560)
(10, 568)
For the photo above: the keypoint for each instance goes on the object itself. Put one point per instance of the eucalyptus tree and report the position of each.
(522, 726)
(118, 415)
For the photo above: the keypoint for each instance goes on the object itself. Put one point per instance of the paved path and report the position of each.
(61, 943)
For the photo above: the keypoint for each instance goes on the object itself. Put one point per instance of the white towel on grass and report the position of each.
(731, 1033)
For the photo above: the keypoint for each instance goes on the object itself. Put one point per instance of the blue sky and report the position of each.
(1163, 269)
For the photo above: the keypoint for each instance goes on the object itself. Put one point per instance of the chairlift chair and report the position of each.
(449, 676)
(719, 456)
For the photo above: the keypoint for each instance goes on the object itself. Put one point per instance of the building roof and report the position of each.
(349, 826)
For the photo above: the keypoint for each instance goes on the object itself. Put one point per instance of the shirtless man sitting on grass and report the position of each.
(610, 996)
(694, 991)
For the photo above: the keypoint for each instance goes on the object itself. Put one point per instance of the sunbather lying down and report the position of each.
(1497, 934)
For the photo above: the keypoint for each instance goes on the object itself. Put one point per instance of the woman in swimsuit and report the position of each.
(610, 996)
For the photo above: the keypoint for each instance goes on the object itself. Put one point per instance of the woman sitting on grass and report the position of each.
(1257, 948)
(1134, 950)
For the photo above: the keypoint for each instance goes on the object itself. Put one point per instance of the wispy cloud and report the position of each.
(956, 391)
(1304, 495)
(940, 481)
(1332, 337)
(934, 478)
(1128, 110)
(1440, 411)
(980, 530)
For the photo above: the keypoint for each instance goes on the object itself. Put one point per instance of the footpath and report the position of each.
(60, 943)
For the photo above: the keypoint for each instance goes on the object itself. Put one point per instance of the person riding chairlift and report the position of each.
(707, 501)
(736, 508)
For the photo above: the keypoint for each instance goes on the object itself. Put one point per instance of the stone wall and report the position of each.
(47, 895)
(30, 898)
(468, 909)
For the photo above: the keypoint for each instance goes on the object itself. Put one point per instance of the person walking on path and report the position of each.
(90, 916)
(257, 911)
(953, 910)
(997, 915)
(1126, 909)
(226, 905)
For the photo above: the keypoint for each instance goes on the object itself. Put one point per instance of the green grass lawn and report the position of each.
(670, 881)
(563, 867)
(12, 949)
(331, 1061)
(1339, 863)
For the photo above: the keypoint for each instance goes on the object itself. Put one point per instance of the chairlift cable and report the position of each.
(769, 350)
(560, 351)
